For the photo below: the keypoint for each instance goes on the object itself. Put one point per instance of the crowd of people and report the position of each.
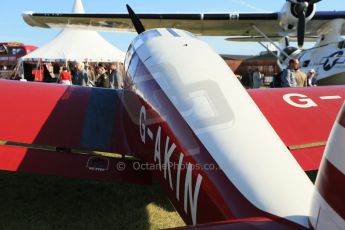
(102, 75)
(292, 76)
(111, 75)
(84, 74)
(252, 79)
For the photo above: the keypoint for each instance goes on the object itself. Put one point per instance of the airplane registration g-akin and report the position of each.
(226, 159)
(297, 19)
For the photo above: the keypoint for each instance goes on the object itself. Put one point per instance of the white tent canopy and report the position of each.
(77, 45)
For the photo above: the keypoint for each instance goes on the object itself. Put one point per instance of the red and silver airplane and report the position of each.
(226, 159)
(297, 20)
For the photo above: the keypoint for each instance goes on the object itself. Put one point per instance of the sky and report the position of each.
(13, 28)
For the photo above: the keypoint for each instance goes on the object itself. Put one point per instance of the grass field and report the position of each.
(43, 202)
(46, 202)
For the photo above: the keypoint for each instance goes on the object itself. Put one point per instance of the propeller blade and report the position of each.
(287, 42)
(135, 20)
(301, 7)
(301, 29)
(312, 2)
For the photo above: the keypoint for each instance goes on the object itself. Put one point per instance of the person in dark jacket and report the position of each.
(115, 77)
(103, 78)
(80, 76)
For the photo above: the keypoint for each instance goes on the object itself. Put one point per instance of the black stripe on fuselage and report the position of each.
(172, 32)
(329, 15)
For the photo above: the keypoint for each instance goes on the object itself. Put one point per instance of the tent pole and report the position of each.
(40, 69)
(21, 70)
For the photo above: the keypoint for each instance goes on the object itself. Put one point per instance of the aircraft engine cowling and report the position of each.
(288, 18)
(292, 52)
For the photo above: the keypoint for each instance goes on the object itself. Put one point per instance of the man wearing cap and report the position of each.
(311, 78)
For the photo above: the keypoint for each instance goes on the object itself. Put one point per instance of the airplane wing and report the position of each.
(304, 118)
(68, 131)
(208, 24)
(49, 125)
(202, 24)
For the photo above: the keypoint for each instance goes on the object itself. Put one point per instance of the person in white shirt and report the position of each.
(311, 78)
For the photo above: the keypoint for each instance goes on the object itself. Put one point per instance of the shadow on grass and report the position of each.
(42, 202)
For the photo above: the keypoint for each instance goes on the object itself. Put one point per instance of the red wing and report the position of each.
(70, 117)
(56, 115)
(90, 119)
(43, 118)
(84, 166)
(303, 120)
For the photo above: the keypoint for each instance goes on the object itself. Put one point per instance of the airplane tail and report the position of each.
(328, 209)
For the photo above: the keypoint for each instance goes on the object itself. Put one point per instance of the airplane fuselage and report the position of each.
(327, 57)
(195, 129)
(328, 61)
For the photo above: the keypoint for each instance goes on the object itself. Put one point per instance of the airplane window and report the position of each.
(306, 63)
(20, 51)
(128, 56)
(16, 51)
(191, 34)
(150, 34)
(3, 49)
(133, 66)
(13, 51)
(142, 72)
(341, 45)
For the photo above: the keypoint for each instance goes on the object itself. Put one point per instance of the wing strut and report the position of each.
(263, 45)
(271, 41)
